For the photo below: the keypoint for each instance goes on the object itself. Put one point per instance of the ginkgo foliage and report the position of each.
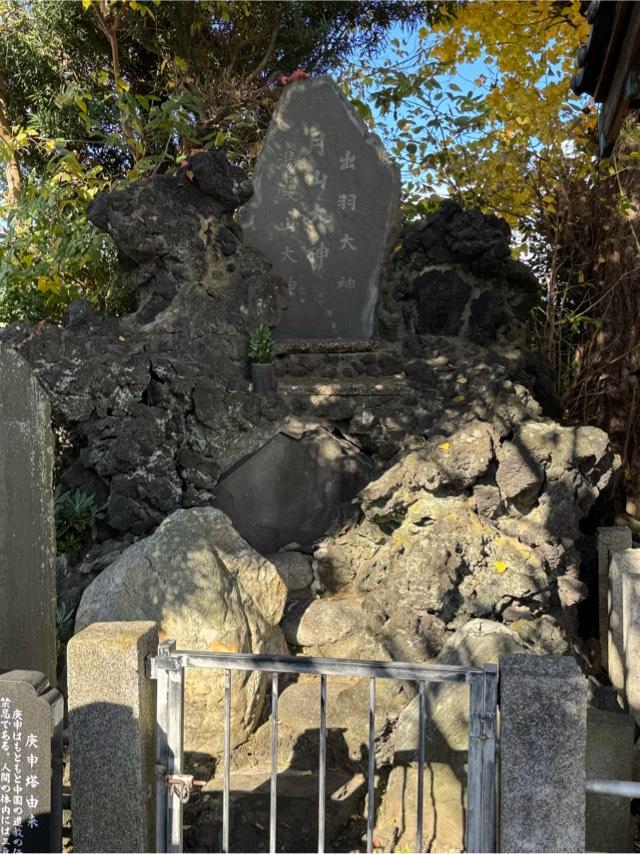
(479, 107)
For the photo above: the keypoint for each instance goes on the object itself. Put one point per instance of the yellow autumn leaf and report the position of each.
(49, 283)
(501, 566)
(444, 446)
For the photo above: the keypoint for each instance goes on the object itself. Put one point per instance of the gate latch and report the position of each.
(483, 725)
(180, 785)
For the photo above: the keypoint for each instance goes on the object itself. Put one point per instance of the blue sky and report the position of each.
(408, 41)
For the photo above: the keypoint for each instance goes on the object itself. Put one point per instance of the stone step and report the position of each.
(374, 363)
(363, 386)
(324, 345)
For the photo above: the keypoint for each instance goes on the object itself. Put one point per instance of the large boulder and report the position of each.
(478, 642)
(485, 522)
(554, 474)
(333, 628)
(208, 589)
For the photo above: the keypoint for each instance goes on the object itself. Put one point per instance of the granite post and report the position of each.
(27, 530)
(112, 737)
(543, 736)
(630, 565)
(610, 737)
(610, 541)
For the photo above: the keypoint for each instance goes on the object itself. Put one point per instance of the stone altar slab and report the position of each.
(326, 199)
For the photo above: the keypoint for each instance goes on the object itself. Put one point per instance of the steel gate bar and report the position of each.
(227, 761)
(322, 764)
(311, 665)
(175, 740)
(489, 783)
(274, 763)
(162, 749)
(481, 784)
(371, 806)
(421, 739)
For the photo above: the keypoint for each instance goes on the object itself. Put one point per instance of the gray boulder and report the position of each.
(477, 643)
(443, 560)
(575, 465)
(334, 628)
(445, 464)
(208, 589)
(294, 569)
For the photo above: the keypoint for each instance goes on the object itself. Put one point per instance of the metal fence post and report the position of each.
(162, 725)
(481, 785)
(489, 779)
(169, 735)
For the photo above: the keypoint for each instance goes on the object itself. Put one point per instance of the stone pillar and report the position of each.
(27, 531)
(112, 713)
(629, 561)
(543, 736)
(610, 541)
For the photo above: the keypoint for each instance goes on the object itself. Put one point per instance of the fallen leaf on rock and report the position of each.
(444, 446)
(457, 399)
(501, 566)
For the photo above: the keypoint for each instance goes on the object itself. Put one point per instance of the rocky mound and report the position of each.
(414, 492)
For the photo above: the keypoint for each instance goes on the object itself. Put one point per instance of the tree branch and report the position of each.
(271, 47)
(108, 23)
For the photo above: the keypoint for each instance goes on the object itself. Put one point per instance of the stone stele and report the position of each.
(27, 535)
(326, 198)
(31, 715)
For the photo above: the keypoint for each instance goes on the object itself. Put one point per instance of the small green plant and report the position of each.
(75, 513)
(64, 623)
(260, 348)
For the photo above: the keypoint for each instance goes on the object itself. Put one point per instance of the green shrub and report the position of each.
(75, 513)
(50, 255)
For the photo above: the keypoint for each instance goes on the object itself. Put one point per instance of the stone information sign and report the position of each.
(27, 535)
(326, 196)
(30, 763)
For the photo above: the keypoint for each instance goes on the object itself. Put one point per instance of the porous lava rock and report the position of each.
(150, 408)
(453, 275)
(426, 548)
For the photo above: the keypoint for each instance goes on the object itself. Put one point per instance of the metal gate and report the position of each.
(173, 786)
